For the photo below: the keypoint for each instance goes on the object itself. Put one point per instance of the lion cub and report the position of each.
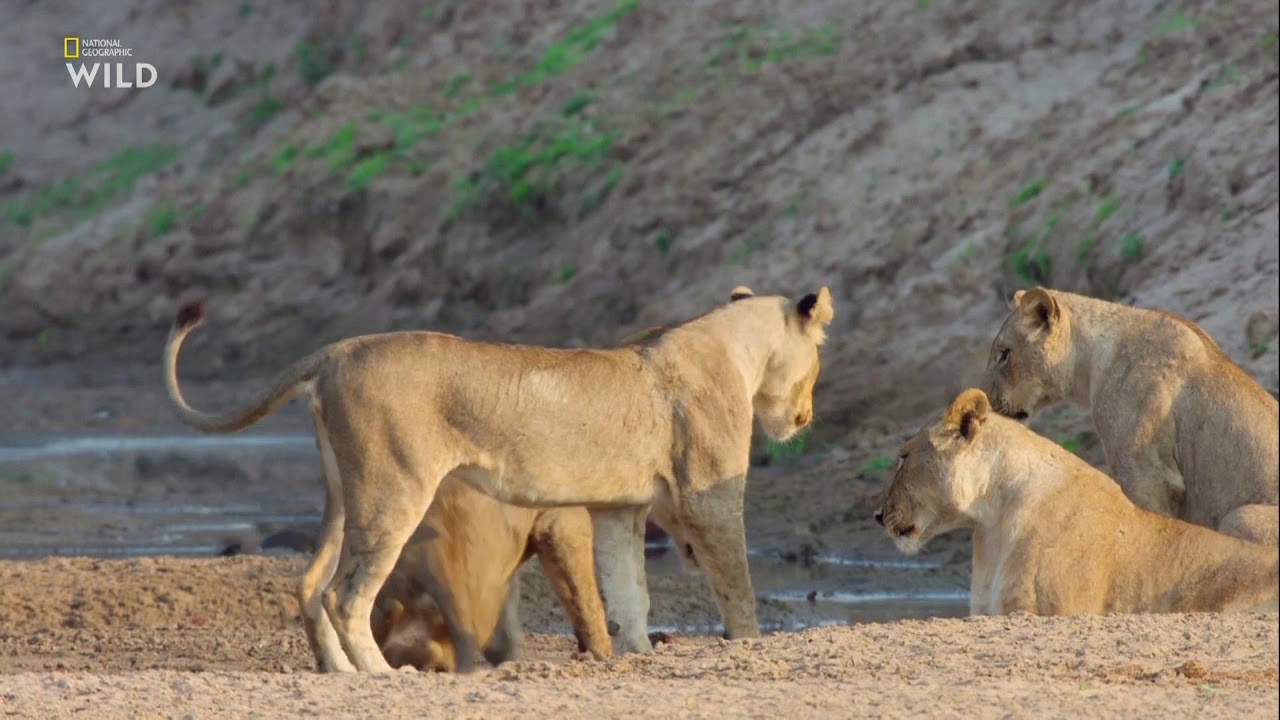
(452, 589)
(1054, 536)
(1186, 432)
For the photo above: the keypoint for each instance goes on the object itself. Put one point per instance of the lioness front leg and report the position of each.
(1255, 523)
(713, 519)
(619, 545)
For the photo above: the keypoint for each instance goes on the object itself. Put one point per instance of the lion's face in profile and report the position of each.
(933, 477)
(784, 401)
(1029, 364)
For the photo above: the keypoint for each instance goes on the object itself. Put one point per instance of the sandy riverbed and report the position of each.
(165, 637)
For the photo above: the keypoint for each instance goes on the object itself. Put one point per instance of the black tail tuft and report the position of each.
(190, 315)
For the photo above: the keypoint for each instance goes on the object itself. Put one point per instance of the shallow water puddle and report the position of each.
(204, 496)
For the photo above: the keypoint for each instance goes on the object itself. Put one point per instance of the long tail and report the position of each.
(286, 386)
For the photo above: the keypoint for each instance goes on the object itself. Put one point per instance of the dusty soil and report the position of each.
(222, 638)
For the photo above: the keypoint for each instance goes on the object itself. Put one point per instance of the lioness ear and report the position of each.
(967, 413)
(1016, 298)
(740, 292)
(1039, 307)
(816, 307)
(815, 313)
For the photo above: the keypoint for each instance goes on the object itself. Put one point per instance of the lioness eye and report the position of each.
(1004, 355)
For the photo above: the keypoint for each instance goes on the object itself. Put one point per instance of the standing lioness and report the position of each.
(1186, 432)
(1054, 536)
(666, 423)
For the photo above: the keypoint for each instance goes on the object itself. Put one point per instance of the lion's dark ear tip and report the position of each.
(190, 314)
(806, 304)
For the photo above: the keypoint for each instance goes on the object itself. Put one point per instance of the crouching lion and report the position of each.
(453, 590)
(1186, 431)
(665, 424)
(1053, 535)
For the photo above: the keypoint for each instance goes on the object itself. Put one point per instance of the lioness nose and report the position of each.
(880, 518)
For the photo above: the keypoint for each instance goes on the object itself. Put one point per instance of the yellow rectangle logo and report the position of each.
(71, 47)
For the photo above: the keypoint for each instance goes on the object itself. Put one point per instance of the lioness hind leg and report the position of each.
(381, 514)
(619, 546)
(713, 519)
(504, 643)
(563, 540)
(1255, 523)
(324, 642)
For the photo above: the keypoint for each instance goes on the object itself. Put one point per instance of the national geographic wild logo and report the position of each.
(96, 68)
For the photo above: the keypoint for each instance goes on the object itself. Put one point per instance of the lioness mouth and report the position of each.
(908, 530)
(1020, 415)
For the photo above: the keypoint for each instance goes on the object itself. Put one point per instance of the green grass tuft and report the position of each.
(1174, 23)
(314, 63)
(662, 241)
(1107, 208)
(1131, 246)
(1027, 193)
(366, 170)
(456, 84)
(789, 449)
(262, 112)
(1084, 248)
(160, 219)
(566, 54)
(84, 196)
(877, 464)
(578, 103)
(283, 160)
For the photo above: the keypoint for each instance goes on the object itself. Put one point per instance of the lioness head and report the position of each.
(784, 401)
(1030, 363)
(936, 470)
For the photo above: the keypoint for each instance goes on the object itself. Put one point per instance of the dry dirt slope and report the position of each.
(555, 172)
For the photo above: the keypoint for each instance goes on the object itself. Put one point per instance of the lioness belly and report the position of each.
(561, 488)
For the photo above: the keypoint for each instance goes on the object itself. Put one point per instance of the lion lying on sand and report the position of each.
(453, 590)
(1186, 432)
(1054, 536)
(667, 423)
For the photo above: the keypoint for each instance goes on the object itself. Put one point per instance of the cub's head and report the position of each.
(937, 472)
(784, 401)
(415, 635)
(1030, 364)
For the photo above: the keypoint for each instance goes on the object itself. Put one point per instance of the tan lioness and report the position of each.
(452, 589)
(665, 423)
(1186, 432)
(1054, 536)
(446, 594)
